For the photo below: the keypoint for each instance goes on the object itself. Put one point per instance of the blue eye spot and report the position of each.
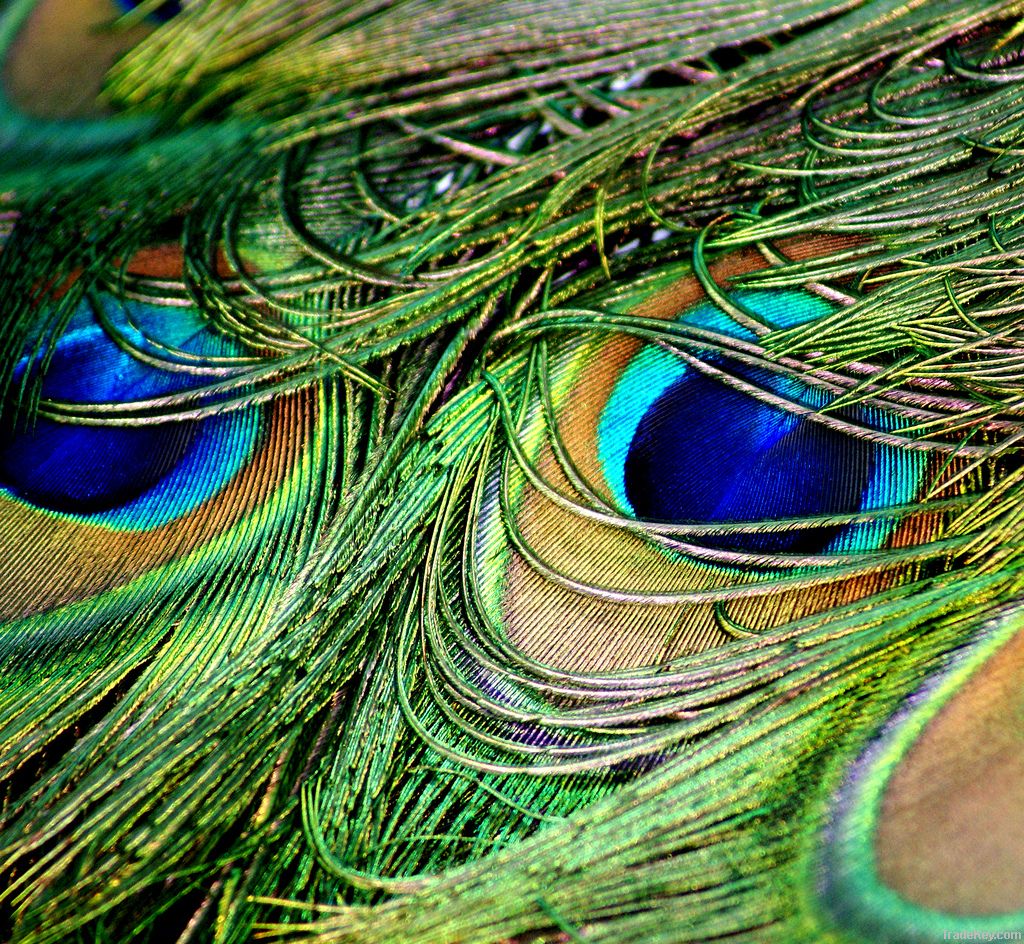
(124, 476)
(82, 469)
(705, 452)
(680, 446)
(166, 11)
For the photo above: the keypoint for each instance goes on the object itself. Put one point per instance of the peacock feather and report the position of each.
(513, 471)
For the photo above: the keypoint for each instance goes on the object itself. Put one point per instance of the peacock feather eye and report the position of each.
(745, 443)
(721, 493)
(129, 447)
(107, 472)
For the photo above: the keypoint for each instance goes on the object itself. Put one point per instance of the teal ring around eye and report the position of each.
(895, 473)
(218, 453)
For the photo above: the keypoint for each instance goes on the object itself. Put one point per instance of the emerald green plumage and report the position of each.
(427, 282)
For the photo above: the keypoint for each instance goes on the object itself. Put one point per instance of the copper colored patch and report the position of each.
(951, 828)
(56, 560)
(56, 65)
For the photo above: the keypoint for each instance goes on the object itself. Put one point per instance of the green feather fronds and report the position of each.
(309, 726)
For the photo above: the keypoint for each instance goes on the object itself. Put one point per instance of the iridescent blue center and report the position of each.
(705, 452)
(679, 445)
(167, 10)
(129, 476)
(79, 468)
